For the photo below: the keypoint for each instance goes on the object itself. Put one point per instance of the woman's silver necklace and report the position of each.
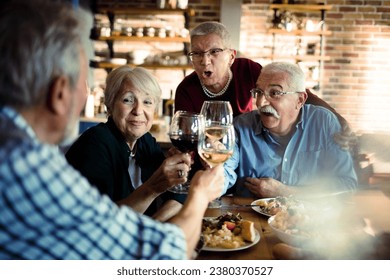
(214, 95)
(132, 152)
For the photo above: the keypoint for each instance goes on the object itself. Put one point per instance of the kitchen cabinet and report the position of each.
(298, 21)
(111, 34)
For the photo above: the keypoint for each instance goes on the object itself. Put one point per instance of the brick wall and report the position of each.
(204, 10)
(357, 76)
(355, 79)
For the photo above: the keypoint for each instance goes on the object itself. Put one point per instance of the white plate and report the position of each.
(258, 209)
(247, 244)
(291, 239)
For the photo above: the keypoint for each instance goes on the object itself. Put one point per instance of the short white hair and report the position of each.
(297, 77)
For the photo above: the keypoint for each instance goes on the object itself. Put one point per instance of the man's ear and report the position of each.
(232, 56)
(302, 96)
(59, 96)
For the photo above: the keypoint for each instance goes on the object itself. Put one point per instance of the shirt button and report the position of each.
(285, 159)
(284, 182)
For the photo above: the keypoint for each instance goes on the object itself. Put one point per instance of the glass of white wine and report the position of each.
(216, 142)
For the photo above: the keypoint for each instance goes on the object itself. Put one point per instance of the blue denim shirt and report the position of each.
(310, 157)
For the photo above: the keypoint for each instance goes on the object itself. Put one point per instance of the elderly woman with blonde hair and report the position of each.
(120, 157)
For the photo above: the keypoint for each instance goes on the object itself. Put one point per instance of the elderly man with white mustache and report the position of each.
(286, 147)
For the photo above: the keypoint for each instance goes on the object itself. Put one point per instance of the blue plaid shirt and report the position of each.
(311, 156)
(49, 211)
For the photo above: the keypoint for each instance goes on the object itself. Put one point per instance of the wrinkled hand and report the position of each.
(173, 151)
(346, 139)
(210, 182)
(166, 175)
(204, 163)
(265, 187)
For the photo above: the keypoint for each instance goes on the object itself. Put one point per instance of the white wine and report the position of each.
(214, 157)
(216, 132)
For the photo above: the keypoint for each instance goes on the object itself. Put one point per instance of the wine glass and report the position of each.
(217, 140)
(184, 132)
(217, 113)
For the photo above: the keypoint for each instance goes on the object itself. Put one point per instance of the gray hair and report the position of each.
(297, 77)
(213, 27)
(39, 41)
(139, 77)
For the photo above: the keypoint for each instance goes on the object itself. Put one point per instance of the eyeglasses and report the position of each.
(212, 53)
(273, 94)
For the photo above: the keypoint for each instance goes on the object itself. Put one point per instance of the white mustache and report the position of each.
(268, 109)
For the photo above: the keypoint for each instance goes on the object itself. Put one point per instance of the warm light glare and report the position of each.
(374, 114)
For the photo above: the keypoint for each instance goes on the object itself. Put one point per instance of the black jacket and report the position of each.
(102, 156)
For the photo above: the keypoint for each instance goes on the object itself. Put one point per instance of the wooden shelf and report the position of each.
(144, 39)
(113, 12)
(109, 65)
(300, 7)
(299, 57)
(299, 32)
(144, 11)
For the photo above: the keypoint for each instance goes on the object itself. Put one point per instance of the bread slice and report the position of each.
(248, 230)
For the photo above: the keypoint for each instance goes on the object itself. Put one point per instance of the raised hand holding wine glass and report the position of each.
(217, 140)
(184, 133)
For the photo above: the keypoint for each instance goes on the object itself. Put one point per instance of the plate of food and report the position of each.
(228, 232)
(267, 206)
(288, 231)
(271, 206)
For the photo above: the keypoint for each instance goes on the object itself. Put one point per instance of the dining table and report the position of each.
(369, 206)
(261, 250)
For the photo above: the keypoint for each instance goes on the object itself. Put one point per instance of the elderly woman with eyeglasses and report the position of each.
(120, 157)
(218, 74)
